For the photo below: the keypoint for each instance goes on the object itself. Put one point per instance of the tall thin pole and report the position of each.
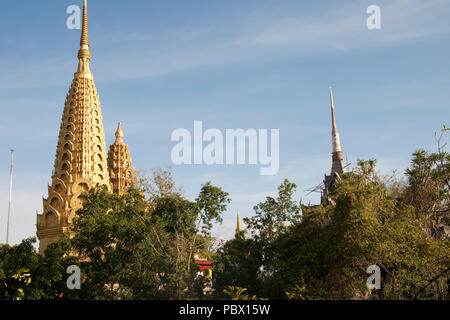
(10, 198)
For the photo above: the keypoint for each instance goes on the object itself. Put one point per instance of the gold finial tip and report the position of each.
(119, 132)
(84, 41)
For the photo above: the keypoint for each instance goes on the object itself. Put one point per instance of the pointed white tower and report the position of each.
(337, 156)
(337, 164)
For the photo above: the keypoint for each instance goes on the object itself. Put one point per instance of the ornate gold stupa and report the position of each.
(119, 164)
(81, 161)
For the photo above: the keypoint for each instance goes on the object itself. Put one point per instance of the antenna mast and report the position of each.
(10, 197)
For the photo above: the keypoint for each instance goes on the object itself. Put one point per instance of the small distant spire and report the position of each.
(238, 225)
(119, 134)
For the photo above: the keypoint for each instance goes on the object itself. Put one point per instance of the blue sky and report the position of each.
(160, 65)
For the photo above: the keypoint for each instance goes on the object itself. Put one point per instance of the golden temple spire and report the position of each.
(238, 225)
(81, 158)
(121, 173)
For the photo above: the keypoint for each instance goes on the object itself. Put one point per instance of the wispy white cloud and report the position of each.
(343, 29)
(147, 54)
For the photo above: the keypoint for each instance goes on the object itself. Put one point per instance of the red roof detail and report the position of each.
(203, 262)
(205, 267)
